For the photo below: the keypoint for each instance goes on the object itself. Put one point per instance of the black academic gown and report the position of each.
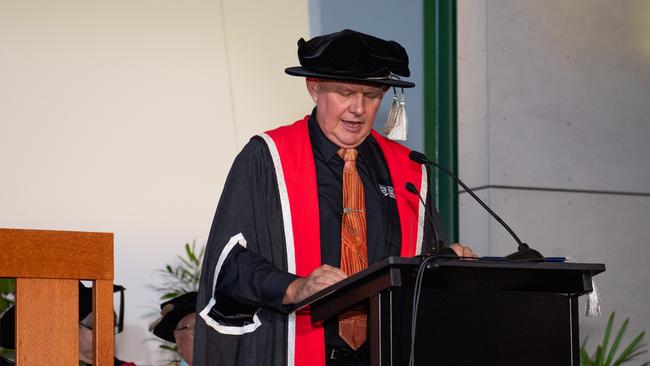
(256, 277)
(249, 205)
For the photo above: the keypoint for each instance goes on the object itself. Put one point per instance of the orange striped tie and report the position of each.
(354, 250)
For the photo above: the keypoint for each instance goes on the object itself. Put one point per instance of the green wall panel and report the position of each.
(440, 106)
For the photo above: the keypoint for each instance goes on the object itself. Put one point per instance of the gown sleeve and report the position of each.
(245, 263)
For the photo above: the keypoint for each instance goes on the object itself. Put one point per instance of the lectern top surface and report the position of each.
(494, 274)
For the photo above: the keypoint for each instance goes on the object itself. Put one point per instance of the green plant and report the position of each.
(8, 354)
(605, 354)
(7, 293)
(184, 276)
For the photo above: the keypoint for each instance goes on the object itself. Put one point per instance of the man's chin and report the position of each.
(351, 140)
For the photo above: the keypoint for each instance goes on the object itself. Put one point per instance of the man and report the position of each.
(176, 324)
(303, 200)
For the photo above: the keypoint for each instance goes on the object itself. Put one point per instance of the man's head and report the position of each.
(86, 338)
(345, 111)
(347, 74)
(176, 323)
(184, 336)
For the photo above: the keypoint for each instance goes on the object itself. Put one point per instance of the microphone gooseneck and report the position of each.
(412, 189)
(524, 251)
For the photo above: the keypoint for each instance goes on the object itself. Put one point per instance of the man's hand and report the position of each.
(463, 251)
(321, 277)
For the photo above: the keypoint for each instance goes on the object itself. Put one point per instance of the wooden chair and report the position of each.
(47, 266)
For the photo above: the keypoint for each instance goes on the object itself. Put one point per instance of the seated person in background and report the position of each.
(7, 336)
(176, 324)
(8, 321)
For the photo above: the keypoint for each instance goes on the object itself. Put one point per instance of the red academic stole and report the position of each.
(293, 159)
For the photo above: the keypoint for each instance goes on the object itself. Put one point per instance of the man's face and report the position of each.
(345, 112)
(184, 335)
(86, 338)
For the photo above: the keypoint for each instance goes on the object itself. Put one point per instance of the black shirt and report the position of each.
(384, 233)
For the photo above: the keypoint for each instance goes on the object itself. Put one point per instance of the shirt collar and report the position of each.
(327, 148)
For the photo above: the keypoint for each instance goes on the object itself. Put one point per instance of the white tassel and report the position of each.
(390, 121)
(398, 132)
(593, 299)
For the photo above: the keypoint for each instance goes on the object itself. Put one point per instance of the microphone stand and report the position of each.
(524, 252)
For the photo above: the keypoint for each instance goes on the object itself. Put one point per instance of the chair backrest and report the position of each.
(47, 266)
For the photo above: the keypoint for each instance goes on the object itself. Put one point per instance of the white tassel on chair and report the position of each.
(400, 125)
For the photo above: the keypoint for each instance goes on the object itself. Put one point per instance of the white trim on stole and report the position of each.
(421, 212)
(288, 233)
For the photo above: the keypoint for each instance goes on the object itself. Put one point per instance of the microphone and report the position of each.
(523, 250)
(437, 250)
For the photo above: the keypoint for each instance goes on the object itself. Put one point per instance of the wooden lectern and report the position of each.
(47, 266)
(470, 312)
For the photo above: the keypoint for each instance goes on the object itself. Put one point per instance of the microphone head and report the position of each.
(418, 157)
(411, 188)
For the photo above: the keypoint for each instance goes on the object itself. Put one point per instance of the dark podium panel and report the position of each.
(470, 312)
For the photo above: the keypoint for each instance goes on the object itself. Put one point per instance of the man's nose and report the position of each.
(357, 106)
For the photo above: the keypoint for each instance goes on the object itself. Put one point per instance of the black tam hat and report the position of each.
(171, 312)
(354, 57)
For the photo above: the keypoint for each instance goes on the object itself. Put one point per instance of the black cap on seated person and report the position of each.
(351, 56)
(8, 319)
(171, 312)
(8, 329)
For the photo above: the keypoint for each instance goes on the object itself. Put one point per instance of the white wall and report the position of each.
(124, 116)
(554, 95)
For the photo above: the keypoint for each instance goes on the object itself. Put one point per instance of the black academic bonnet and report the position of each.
(86, 303)
(172, 312)
(8, 319)
(8, 329)
(353, 57)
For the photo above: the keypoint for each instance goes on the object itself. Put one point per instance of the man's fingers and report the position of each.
(331, 272)
(322, 277)
(457, 248)
(463, 251)
(328, 276)
(468, 252)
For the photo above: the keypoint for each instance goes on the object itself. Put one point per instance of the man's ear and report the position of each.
(313, 85)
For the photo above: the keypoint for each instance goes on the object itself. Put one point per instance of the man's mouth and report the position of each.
(352, 125)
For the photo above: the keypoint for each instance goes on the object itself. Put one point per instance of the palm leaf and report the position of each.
(190, 253)
(636, 354)
(605, 353)
(603, 346)
(617, 341)
(630, 349)
(585, 360)
(185, 262)
(598, 356)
